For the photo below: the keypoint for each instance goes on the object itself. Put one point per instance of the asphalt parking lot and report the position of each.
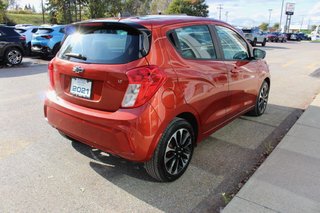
(42, 171)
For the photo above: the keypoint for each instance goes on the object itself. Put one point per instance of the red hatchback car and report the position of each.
(148, 89)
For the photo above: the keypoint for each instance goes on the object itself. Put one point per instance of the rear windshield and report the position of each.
(247, 31)
(103, 45)
(44, 30)
(20, 30)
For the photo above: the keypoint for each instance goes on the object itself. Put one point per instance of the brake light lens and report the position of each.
(23, 38)
(144, 82)
(51, 73)
(47, 36)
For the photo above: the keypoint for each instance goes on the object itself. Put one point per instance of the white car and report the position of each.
(27, 32)
(315, 35)
(254, 36)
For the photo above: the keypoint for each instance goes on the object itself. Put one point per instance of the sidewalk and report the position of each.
(289, 180)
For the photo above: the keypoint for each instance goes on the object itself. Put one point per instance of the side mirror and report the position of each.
(242, 55)
(259, 54)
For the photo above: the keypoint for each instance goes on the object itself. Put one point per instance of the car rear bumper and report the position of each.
(40, 49)
(127, 133)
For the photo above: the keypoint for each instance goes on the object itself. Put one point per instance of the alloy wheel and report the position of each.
(14, 57)
(178, 151)
(263, 98)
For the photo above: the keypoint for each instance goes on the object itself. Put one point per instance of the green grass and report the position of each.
(35, 19)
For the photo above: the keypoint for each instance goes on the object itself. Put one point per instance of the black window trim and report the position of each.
(213, 39)
(249, 49)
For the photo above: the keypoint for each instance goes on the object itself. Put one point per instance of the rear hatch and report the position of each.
(247, 33)
(42, 34)
(90, 69)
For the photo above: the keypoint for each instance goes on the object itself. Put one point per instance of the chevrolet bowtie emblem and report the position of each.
(78, 69)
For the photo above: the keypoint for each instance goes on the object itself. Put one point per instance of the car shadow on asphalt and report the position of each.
(10, 72)
(221, 164)
(111, 166)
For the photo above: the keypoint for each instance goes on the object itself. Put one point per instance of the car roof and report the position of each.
(157, 20)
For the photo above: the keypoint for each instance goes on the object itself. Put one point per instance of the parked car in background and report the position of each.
(293, 37)
(23, 25)
(28, 32)
(282, 37)
(46, 40)
(240, 31)
(254, 36)
(148, 89)
(12, 45)
(315, 35)
(272, 37)
(303, 37)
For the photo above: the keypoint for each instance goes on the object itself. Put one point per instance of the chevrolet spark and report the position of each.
(148, 89)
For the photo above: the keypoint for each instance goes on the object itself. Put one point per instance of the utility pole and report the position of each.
(281, 14)
(227, 13)
(42, 7)
(270, 10)
(220, 8)
(301, 23)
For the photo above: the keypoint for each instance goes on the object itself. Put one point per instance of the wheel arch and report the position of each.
(190, 118)
(14, 46)
(186, 112)
(267, 79)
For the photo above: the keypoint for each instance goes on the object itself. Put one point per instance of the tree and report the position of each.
(2, 11)
(189, 7)
(313, 27)
(276, 26)
(264, 26)
(159, 6)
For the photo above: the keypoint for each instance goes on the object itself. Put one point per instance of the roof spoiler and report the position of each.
(145, 33)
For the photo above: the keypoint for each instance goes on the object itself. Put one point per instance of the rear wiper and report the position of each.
(76, 55)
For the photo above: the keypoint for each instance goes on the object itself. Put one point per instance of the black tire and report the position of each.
(254, 42)
(172, 157)
(55, 49)
(264, 42)
(262, 100)
(28, 49)
(13, 56)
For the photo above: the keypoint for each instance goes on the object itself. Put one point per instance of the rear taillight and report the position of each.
(22, 38)
(144, 82)
(51, 73)
(47, 36)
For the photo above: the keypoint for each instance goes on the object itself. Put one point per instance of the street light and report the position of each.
(270, 10)
(281, 14)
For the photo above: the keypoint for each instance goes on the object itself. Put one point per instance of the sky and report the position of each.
(253, 13)
(250, 12)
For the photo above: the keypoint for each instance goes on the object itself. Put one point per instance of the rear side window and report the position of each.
(233, 46)
(194, 42)
(103, 45)
(62, 30)
(9, 31)
(44, 30)
(20, 30)
(246, 31)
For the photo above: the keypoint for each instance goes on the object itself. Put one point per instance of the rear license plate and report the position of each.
(81, 87)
